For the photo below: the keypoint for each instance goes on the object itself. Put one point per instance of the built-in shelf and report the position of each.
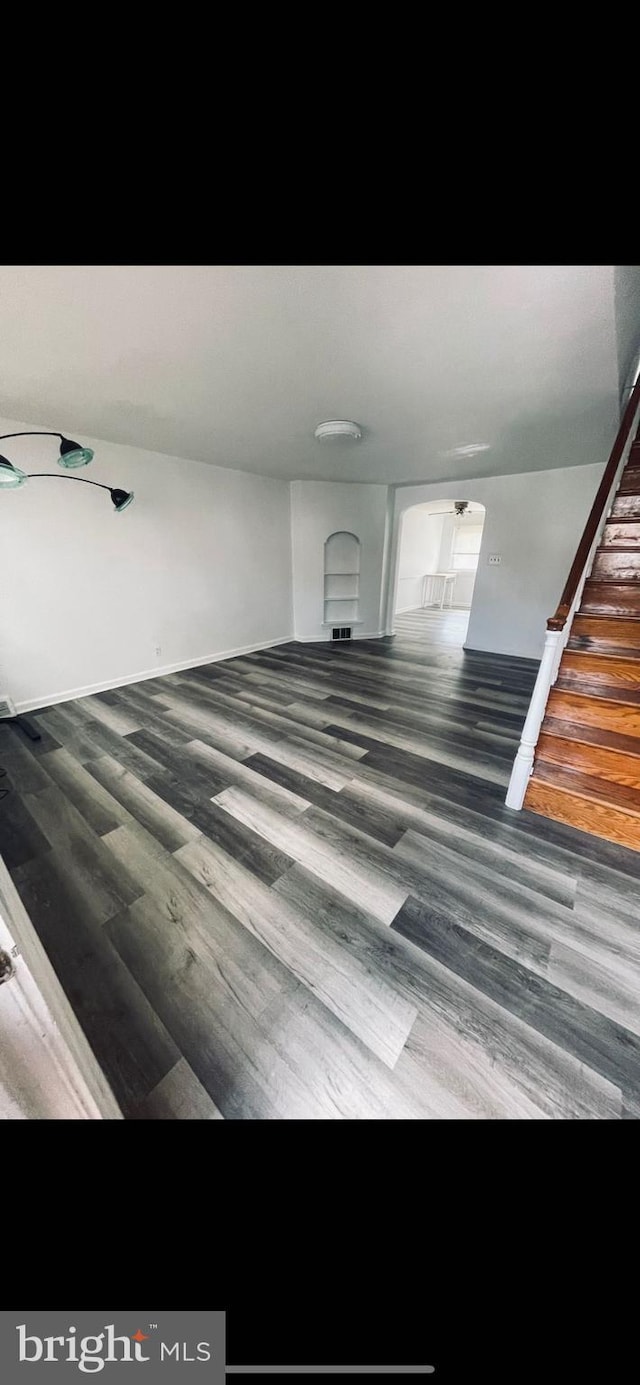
(342, 580)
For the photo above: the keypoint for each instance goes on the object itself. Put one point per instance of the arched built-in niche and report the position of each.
(342, 579)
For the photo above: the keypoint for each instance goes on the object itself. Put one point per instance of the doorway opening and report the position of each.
(440, 543)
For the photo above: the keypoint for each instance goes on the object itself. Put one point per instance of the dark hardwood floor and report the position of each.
(287, 885)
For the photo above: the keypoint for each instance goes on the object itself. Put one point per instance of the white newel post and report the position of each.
(547, 674)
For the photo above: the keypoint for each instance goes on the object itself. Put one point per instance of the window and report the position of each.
(466, 547)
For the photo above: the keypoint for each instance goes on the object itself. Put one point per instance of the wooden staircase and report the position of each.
(586, 769)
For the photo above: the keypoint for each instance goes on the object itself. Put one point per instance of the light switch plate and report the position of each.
(494, 558)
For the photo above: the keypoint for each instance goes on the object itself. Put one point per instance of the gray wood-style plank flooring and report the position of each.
(286, 886)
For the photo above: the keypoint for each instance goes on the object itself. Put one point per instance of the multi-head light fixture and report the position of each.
(72, 455)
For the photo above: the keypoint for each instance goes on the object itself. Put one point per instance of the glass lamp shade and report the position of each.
(121, 499)
(72, 454)
(10, 476)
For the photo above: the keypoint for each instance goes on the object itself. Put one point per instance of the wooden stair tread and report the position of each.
(618, 635)
(579, 644)
(605, 626)
(614, 598)
(591, 735)
(602, 663)
(611, 713)
(596, 760)
(585, 814)
(590, 786)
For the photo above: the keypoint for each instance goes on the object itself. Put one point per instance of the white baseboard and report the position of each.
(51, 699)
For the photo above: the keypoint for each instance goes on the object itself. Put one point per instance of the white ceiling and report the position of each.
(236, 365)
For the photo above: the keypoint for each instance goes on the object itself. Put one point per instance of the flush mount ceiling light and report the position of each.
(469, 449)
(337, 430)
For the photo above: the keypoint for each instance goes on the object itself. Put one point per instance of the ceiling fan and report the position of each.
(459, 508)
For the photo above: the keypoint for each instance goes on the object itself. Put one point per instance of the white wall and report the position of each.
(419, 553)
(627, 314)
(319, 508)
(198, 566)
(534, 521)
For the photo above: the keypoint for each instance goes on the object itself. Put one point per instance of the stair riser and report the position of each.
(596, 818)
(587, 711)
(609, 765)
(620, 797)
(630, 483)
(579, 733)
(610, 598)
(616, 567)
(616, 532)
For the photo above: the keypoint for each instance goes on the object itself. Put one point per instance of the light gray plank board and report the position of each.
(273, 1062)
(107, 742)
(376, 893)
(359, 1087)
(250, 976)
(607, 902)
(596, 980)
(149, 714)
(169, 828)
(546, 1074)
(556, 884)
(533, 845)
(206, 725)
(179, 1096)
(81, 855)
(449, 895)
(115, 720)
(589, 1034)
(331, 770)
(451, 735)
(96, 806)
(231, 1054)
(283, 800)
(272, 699)
(358, 995)
(69, 732)
(515, 919)
(299, 686)
(472, 1085)
(253, 719)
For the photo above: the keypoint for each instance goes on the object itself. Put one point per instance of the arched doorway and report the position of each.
(439, 550)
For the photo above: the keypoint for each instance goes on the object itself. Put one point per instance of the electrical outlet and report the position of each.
(158, 649)
(494, 558)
